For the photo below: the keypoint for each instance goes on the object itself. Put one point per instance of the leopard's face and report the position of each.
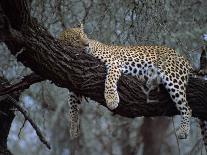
(75, 37)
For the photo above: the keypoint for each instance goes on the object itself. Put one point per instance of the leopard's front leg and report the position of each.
(111, 94)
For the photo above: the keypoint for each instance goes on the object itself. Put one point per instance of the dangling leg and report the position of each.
(186, 113)
(178, 95)
(74, 104)
(111, 95)
(203, 126)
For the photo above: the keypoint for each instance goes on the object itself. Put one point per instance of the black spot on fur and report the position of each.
(140, 72)
(176, 86)
(130, 68)
(179, 102)
(173, 90)
(135, 71)
(182, 78)
(139, 65)
(177, 95)
(133, 64)
(184, 108)
(170, 84)
(180, 72)
(175, 81)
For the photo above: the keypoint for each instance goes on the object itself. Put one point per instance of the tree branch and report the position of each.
(71, 68)
(27, 117)
(13, 98)
(23, 84)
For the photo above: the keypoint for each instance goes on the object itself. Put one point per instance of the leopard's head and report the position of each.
(75, 37)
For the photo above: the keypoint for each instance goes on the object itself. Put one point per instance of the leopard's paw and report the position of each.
(74, 130)
(112, 100)
(182, 132)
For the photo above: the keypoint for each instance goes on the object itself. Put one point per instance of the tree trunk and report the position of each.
(71, 68)
(153, 133)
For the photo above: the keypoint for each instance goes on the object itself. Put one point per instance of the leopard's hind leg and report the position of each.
(203, 126)
(74, 116)
(177, 91)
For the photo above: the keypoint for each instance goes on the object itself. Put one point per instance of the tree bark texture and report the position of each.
(71, 68)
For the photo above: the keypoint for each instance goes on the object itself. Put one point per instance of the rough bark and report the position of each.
(70, 68)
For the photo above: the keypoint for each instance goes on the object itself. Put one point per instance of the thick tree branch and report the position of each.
(71, 68)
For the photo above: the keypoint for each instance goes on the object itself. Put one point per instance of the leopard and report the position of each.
(169, 68)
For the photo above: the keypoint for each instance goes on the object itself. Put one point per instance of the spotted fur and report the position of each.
(203, 126)
(171, 68)
(74, 108)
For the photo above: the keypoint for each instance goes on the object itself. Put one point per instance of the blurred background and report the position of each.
(179, 24)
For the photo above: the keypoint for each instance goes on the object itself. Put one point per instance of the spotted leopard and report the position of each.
(171, 69)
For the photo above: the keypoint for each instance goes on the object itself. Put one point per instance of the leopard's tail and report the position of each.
(203, 126)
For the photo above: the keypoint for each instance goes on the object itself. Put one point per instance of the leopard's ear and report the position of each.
(80, 25)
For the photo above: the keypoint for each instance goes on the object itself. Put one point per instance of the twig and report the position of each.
(26, 115)
(20, 130)
(20, 52)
